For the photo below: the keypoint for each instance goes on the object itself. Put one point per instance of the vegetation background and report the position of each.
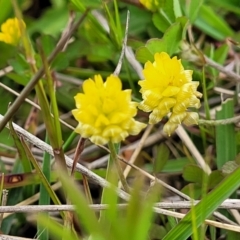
(166, 174)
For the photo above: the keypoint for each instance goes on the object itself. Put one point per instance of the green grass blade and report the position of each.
(53, 100)
(45, 182)
(22, 155)
(184, 229)
(86, 216)
(225, 135)
(44, 198)
(27, 167)
(55, 228)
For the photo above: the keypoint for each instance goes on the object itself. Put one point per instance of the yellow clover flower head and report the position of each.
(169, 89)
(105, 112)
(11, 31)
(151, 5)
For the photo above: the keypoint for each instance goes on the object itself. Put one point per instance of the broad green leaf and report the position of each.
(193, 173)
(143, 55)
(172, 165)
(176, 165)
(161, 23)
(193, 189)
(60, 62)
(226, 144)
(5, 10)
(48, 43)
(192, 9)
(20, 65)
(168, 43)
(212, 24)
(212, 200)
(229, 5)
(20, 79)
(167, 11)
(7, 52)
(215, 178)
(52, 22)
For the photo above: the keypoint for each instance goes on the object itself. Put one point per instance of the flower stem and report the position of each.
(219, 122)
(114, 159)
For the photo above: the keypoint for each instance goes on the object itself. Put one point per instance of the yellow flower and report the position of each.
(151, 5)
(168, 89)
(11, 31)
(105, 112)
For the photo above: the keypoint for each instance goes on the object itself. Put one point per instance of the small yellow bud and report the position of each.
(151, 5)
(11, 31)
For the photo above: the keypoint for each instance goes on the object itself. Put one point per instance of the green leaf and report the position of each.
(215, 178)
(48, 43)
(7, 52)
(160, 22)
(226, 143)
(193, 189)
(193, 173)
(169, 42)
(50, 22)
(176, 165)
(143, 55)
(205, 207)
(192, 9)
(161, 158)
(5, 9)
(167, 15)
(20, 79)
(167, 11)
(229, 5)
(212, 24)
(60, 62)
(19, 64)
(83, 4)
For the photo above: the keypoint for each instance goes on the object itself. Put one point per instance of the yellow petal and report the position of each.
(191, 118)
(177, 118)
(170, 91)
(169, 128)
(101, 121)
